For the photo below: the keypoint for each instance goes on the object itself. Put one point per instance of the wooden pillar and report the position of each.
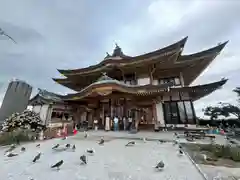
(154, 118)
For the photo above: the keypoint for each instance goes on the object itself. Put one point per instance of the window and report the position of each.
(181, 110)
(189, 112)
(174, 80)
(167, 113)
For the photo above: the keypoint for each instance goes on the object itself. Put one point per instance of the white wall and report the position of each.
(143, 81)
(43, 112)
(160, 115)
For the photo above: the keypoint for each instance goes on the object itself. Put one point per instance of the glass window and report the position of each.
(189, 112)
(167, 113)
(182, 112)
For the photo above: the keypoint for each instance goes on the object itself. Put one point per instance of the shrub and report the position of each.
(235, 154)
(16, 136)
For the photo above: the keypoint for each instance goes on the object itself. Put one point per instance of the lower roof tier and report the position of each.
(111, 89)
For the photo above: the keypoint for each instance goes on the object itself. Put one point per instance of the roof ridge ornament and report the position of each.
(107, 55)
(117, 51)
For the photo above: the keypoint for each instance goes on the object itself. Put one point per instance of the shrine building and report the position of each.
(153, 89)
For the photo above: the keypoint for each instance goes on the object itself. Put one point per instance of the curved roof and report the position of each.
(123, 60)
(190, 65)
(199, 91)
(202, 54)
(108, 84)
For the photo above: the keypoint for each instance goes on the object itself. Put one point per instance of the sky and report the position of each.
(60, 34)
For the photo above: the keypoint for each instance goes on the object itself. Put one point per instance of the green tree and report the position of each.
(224, 109)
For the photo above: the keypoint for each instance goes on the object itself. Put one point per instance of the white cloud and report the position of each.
(74, 34)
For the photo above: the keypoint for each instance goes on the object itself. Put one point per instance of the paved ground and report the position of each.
(111, 161)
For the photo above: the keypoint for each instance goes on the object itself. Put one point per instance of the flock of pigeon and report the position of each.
(83, 159)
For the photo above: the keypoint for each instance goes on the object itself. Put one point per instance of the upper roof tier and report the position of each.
(167, 60)
(123, 60)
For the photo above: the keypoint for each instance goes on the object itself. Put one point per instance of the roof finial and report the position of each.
(104, 73)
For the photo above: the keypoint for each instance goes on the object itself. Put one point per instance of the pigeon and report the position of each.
(64, 138)
(12, 154)
(160, 165)
(85, 134)
(2, 33)
(23, 149)
(12, 147)
(68, 146)
(90, 151)
(101, 142)
(175, 142)
(37, 157)
(73, 147)
(83, 159)
(180, 147)
(180, 152)
(144, 140)
(38, 145)
(162, 141)
(57, 165)
(130, 143)
(56, 146)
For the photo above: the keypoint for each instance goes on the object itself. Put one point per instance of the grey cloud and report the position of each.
(74, 34)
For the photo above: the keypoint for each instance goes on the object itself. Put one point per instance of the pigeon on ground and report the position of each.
(160, 165)
(23, 149)
(37, 157)
(57, 165)
(68, 146)
(56, 146)
(83, 159)
(130, 143)
(85, 134)
(11, 154)
(180, 152)
(12, 147)
(73, 147)
(144, 140)
(101, 142)
(90, 151)
(162, 141)
(38, 145)
(175, 142)
(180, 147)
(64, 138)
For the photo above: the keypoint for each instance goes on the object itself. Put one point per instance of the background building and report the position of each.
(16, 98)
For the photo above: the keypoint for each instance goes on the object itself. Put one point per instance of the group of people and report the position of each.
(115, 123)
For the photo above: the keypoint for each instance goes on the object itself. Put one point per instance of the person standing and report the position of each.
(129, 123)
(116, 120)
(95, 124)
(124, 123)
(107, 123)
